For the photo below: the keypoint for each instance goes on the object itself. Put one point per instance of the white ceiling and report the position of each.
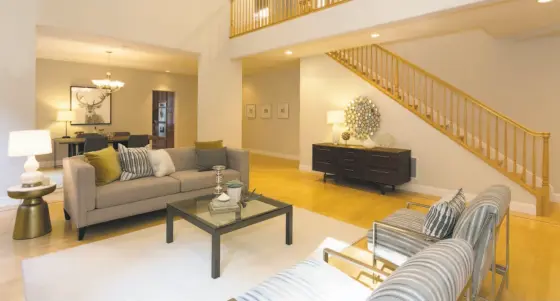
(92, 50)
(503, 19)
(506, 19)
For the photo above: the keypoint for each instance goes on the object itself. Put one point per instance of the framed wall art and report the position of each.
(251, 111)
(283, 111)
(266, 111)
(91, 105)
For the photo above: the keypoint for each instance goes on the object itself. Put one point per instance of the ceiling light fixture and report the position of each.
(544, 1)
(108, 83)
(375, 35)
(288, 52)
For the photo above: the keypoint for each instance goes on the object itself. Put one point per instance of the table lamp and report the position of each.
(28, 144)
(66, 116)
(335, 118)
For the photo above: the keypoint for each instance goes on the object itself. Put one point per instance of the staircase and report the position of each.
(517, 152)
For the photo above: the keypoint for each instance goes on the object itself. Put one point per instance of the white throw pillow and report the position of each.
(161, 163)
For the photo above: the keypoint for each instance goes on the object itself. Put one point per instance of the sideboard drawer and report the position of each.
(322, 153)
(324, 166)
(385, 161)
(378, 175)
(351, 172)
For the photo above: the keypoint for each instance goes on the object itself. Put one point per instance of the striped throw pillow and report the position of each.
(135, 163)
(443, 215)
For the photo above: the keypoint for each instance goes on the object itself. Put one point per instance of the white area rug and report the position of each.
(141, 266)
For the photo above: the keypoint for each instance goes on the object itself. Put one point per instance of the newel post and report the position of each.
(544, 205)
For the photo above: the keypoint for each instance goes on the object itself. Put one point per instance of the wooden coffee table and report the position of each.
(197, 213)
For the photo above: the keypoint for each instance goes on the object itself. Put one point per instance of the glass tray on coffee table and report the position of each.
(196, 211)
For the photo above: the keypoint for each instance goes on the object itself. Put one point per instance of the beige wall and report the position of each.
(441, 163)
(516, 77)
(17, 83)
(220, 81)
(273, 86)
(131, 106)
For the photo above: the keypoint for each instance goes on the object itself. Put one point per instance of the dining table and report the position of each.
(74, 142)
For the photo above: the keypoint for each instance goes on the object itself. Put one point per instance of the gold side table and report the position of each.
(32, 219)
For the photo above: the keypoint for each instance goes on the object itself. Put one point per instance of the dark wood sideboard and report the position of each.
(381, 166)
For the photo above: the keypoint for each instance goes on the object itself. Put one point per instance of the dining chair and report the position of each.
(138, 140)
(81, 145)
(120, 134)
(95, 143)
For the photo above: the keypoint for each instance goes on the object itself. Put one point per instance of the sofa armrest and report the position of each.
(79, 189)
(373, 270)
(238, 159)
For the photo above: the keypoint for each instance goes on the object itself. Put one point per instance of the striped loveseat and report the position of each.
(440, 272)
(399, 236)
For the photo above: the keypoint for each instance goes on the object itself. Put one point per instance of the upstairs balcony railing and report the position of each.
(251, 15)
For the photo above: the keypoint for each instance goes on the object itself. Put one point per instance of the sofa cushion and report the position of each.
(208, 144)
(396, 246)
(311, 279)
(193, 179)
(106, 164)
(118, 193)
(135, 163)
(184, 158)
(206, 159)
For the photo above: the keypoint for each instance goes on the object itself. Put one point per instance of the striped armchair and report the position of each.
(398, 237)
(440, 272)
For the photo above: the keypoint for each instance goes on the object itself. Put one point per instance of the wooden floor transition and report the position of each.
(535, 243)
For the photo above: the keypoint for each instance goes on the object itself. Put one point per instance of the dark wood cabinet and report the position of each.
(382, 166)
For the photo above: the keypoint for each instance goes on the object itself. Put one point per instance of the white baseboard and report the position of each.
(526, 208)
(307, 168)
(520, 207)
(554, 197)
(7, 203)
(273, 154)
(430, 190)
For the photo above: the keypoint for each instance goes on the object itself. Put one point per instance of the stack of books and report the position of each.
(216, 206)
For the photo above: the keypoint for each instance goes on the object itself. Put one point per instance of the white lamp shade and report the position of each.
(66, 116)
(29, 143)
(335, 117)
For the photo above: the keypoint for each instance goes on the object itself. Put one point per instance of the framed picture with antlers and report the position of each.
(91, 105)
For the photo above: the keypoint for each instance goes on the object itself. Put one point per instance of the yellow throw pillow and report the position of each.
(106, 164)
(209, 144)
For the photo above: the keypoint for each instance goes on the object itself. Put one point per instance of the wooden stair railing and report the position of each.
(517, 152)
(251, 15)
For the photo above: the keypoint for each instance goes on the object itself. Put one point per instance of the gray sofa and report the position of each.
(86, 204)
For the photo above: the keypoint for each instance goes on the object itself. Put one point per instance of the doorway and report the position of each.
(163, 119)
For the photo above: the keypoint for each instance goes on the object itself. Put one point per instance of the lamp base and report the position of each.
(336, 132)
(66, 136)
(31, 177)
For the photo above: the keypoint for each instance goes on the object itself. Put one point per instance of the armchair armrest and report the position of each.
(403, 230)
(79, 189)
(238, 159)
(368, 268)
(414, 204)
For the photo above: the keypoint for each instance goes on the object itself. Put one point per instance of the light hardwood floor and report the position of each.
(535, 252)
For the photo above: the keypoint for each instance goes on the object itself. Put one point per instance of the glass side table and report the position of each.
(32, 219)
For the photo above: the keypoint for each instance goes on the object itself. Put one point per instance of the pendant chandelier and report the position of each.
(108, 83)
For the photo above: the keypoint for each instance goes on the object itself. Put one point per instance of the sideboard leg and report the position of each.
(325, 178)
